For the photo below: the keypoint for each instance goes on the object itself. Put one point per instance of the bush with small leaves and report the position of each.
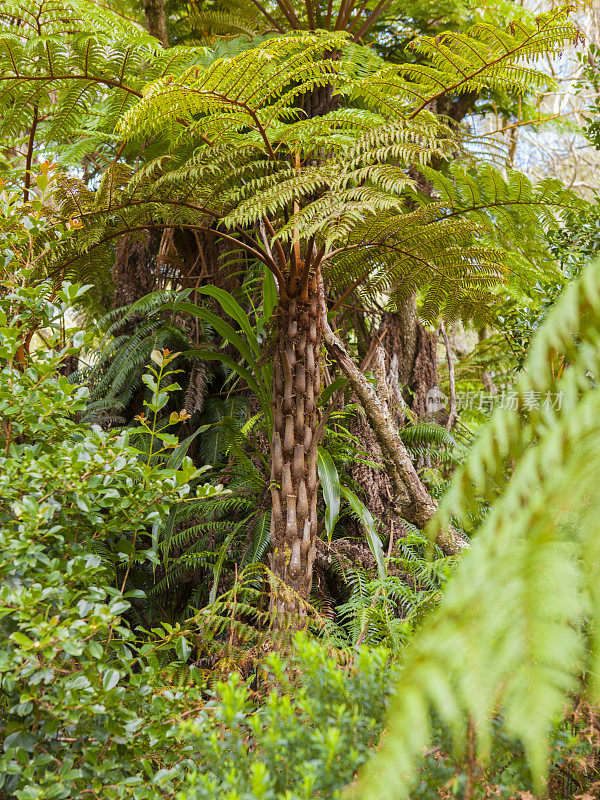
(306, 739)
(80, 711)
(86, 709)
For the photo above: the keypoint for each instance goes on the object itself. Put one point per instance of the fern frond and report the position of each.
(519, 620)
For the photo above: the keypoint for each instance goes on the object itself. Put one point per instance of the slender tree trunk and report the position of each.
(294, 480)
(156, 20)
(401, 338)
(414, 502)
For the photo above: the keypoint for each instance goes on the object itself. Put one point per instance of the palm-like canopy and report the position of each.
(227, 145)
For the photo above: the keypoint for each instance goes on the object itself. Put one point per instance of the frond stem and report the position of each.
(372, 19)
(29, 157)
(266, 14)
(254, 251)
(90, 78)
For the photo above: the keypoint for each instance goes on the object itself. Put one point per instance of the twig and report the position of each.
(453, 414)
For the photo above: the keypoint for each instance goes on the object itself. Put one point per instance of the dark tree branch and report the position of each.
(29, 157)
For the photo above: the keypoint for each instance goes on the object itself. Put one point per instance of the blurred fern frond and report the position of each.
(519, 624)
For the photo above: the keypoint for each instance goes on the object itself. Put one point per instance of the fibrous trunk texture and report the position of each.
(156, 20)
(410, 356)
(415, 504)
(377, 489)
(133, 273)
(320, 101)
(296, 387)
(296, 432)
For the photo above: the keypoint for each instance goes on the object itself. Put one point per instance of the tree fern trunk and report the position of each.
(418, 507)
(411, 356)
(296, 432)
(296, 387)
(156, 20)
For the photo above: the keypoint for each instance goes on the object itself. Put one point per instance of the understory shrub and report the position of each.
(305, 739)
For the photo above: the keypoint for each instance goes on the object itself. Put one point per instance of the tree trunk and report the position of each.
(156, 20)
(295, 392)
(296, 433)
(133, 273)
(410, 356)
(413, 501)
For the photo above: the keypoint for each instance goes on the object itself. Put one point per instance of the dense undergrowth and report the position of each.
(94, 704)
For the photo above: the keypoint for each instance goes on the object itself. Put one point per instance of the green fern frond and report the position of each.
(519, 620)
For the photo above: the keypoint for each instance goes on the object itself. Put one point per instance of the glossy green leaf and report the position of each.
(224, 329)
(328, 391)
(270, 298)
(215, 355)
(330, 484)
(183, 648)
(366, 520)
(230, 306)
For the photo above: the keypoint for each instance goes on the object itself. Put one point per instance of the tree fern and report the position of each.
(242, 168)
(484, 56)
(72, 66)
(231, 152)
(229, 132)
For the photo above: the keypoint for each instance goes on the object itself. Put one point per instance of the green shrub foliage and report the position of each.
(306, 739)
(85, 703)
(81, 715)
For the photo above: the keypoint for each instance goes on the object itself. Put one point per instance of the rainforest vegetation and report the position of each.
(299, 400)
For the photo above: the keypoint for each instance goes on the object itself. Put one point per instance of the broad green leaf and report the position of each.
(119, 606)
(215, 355)
(224, 329)
(230, 306)
(157, 357)
(183, 648)
(330, 484)
(110, 679)
(23, 739)
(270, 298)
(180, 451)
(364, 515)
(22, 640)
(328, 391)
(150, 382)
